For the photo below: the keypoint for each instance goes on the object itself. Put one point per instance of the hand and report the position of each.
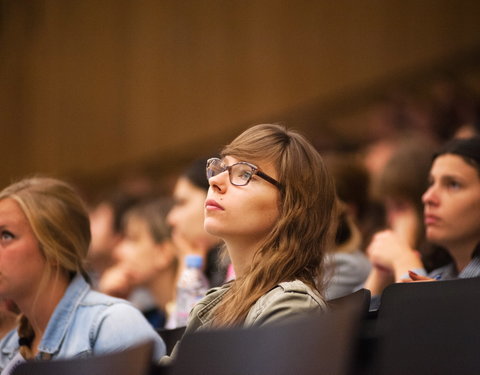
(116, 282)
(378, 280)
(389, 252)
(385, 247)
(415, 277)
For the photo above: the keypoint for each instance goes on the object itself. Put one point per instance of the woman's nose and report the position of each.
(220, 181)
(430, 196)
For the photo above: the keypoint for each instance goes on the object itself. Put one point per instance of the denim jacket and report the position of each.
(87, 323)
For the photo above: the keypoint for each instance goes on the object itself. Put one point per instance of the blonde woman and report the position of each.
(44, 237)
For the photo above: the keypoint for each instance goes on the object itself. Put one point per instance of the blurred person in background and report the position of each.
(451, 217)
(186, 220)
(400, 187)
(469, 130)
(347, 263)
(452, 107)
(106, 218)
(147, 258)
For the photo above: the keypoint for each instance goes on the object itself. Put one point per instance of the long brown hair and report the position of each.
(60, 222)
(295, 247)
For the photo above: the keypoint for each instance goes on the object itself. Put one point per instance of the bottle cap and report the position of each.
(194, 261)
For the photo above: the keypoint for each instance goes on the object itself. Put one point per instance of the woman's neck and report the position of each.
(39, 308)
(462, 253)
(241, 255)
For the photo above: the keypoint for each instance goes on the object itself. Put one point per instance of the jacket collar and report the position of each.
(63, 315)
(213, 298)
(58, 323)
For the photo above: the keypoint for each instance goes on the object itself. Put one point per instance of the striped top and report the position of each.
(449, 271)
(446, 272)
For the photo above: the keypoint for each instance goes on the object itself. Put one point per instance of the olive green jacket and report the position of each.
(285, 301)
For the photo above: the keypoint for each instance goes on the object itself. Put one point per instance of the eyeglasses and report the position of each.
(239, 173)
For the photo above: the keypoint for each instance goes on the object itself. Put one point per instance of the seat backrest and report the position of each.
(132, 361)
(171, 336)
(313, 344)
(360, 297)
(429, 328)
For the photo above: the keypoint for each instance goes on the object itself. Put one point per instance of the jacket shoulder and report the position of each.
(285, 301)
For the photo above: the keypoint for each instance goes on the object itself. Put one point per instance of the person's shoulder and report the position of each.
(296, 288)
(95, 298)
(8, 347)
(285, 301)
(351, 260)
(97, 307)
(213, 294)
(115, 324)
(9, 342)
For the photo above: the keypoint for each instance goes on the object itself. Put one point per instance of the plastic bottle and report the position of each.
(192, 286)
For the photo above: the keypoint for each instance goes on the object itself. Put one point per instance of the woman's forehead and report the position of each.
(453, 164)
(231, 159)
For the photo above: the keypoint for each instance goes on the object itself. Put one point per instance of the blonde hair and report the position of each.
(60, 222)
(295, 247)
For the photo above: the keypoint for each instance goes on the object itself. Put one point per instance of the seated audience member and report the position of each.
(400, 185)
(348, 266)
(469, 130)
(45, 236)
(186, 220)
(273, 203)
(146, 258)
(399, 188)
(106, 219)
(451, 217)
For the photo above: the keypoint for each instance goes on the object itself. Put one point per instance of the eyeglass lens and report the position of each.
(239, 173)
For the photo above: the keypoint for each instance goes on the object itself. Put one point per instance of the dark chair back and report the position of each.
(429, 328)
(366, 342)
(360, 298)
(132, 361)
(171, 337)
(313, 344)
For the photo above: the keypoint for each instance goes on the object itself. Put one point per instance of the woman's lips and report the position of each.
(211, 204)
(431, 219)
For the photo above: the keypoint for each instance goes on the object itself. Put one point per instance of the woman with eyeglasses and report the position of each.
(273, 203)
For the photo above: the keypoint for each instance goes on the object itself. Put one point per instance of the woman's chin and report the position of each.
(213, 228)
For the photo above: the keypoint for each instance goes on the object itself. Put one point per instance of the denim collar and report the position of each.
(59, 321)
(61, 318)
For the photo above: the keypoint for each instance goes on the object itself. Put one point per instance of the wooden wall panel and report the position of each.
(94, 85)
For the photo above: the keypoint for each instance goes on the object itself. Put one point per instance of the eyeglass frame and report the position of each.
(255, 171)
